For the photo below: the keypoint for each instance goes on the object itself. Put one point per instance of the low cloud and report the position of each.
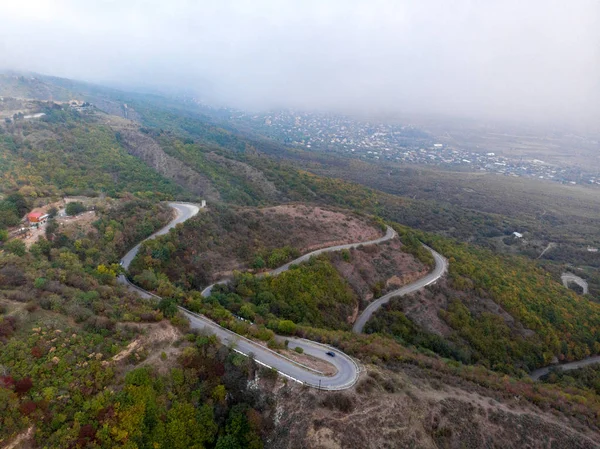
(512, 59)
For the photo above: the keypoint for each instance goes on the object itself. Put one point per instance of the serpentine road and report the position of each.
(541, 372)
(389, 234)
(441, 266)
(347, 369)
(568, 278)
(184, 211)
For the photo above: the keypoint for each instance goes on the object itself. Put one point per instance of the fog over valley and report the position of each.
(535, 60)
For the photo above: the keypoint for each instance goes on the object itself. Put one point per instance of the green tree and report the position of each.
(16, 246)
(75, 208)
(228, 442)
(287, 327)
(168, 307)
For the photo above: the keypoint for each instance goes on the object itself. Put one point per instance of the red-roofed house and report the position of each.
(36, 218)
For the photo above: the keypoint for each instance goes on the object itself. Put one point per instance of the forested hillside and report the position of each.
(226, 238)
(504, 312)
(76, 362)
(67, 153)
(85, 363)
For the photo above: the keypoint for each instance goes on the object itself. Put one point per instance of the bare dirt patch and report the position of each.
(304, 359)
(374, 270)
(155, 347)
(324, 227)
(78, 225)
(312, 362)
(22, 441)
(392, 410)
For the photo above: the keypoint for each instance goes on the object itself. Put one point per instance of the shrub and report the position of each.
(75, 208)
(27, 408)
(24, 385)
(16, 247)
(287, 327)
(138, 377)
(272, 344)
(37, 352)
(39, 283)
(13, 276)
(99, 324)
(8, 325)
(338, 401)
(31, 307)
(346, 255)
(270, 373)
(258, 263)
(79, 313)
(168, 307)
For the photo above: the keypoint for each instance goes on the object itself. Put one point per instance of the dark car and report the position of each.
(330, 353)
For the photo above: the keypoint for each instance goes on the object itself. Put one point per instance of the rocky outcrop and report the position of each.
(250, 174)
(145, 148)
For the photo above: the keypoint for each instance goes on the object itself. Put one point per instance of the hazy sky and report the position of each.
(505, 58)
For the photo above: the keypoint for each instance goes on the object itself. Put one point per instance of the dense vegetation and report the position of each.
(391, 320)
(12, 209)
(312, 293)
(226, 237)
(563, 324)
(62, 321)
(586, 378)
(74, 208)
(568, 325)
(68, 153)
(56, 312)
(67, 284)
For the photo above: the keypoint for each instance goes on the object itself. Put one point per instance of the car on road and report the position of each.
(330, 353)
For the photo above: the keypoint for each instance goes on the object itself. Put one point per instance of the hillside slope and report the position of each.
(452, 359)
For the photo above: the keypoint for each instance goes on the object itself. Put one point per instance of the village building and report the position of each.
(37, 218)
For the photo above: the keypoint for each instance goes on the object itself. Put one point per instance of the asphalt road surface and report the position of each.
(389, 234)
(568, 278)
(441, 266)
(347, 370)
(184, 211)
(536, 374)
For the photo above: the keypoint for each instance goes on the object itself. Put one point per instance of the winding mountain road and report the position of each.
(441, 266)
(389, 234)
(568, 278)
(183, 211)
(541, 372)
(347, 370)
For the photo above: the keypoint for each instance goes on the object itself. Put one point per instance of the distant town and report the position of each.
(398, 143)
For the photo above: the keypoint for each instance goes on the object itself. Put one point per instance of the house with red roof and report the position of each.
(37, 218)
